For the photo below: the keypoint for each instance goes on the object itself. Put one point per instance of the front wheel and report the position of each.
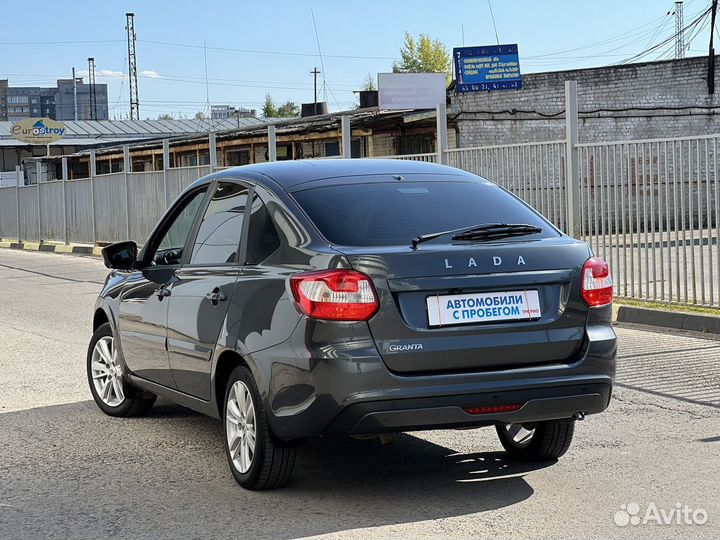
(105, 375)
(537, 441)
(257, 460)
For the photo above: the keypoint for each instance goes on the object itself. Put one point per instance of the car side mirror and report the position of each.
(121, 256)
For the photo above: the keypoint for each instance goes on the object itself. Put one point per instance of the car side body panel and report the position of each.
(325, 378)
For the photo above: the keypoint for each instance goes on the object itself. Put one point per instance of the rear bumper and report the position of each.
(448, 412)
(320, 382)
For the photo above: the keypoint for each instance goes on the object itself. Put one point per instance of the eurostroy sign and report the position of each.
(38, 131)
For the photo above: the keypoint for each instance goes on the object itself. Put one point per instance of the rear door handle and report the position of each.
(216, 296)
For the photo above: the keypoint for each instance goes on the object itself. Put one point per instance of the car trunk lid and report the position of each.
(426, 322)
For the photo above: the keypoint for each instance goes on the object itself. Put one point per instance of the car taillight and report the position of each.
(334, 295)
(597, 286)
(490, 409)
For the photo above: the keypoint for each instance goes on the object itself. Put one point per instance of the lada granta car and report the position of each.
(353, 297)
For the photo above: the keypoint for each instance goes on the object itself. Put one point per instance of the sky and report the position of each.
(191, 54)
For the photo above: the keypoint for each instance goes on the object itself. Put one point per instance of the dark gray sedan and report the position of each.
(354, 297)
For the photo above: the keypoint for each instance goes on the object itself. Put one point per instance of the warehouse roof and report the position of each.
(91, 132)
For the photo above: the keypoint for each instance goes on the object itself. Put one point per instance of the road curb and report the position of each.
(680, 320)
(69, 249)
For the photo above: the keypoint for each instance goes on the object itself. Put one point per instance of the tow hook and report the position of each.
(579, 416)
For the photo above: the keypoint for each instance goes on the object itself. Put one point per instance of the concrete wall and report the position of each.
(652, 97)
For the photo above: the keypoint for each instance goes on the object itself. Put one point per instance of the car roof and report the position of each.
(291, 174)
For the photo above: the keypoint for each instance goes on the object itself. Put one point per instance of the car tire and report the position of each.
(257, 459)
(111, 392)
(539, 441)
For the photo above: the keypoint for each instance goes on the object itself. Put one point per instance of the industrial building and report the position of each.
(20, 102)
(223, 112)
(98, 134)
(375, 133)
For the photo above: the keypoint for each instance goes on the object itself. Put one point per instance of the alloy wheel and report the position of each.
(107, 372)
(240, 426)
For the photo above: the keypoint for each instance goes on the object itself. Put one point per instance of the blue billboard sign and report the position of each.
(483, 69)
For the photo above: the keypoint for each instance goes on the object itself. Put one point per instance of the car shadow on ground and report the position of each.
(170, 478)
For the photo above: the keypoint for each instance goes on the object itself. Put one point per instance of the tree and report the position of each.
(286, 110)
(425, 55)
(368, 83)
(200, 116)
(165, 116)
(269, 109)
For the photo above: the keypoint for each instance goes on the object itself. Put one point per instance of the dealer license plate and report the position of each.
(451, 309)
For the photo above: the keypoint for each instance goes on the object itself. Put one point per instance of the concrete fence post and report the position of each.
(38, 174)
(572, 168)
(166, 166)
(93, 172)
(346, 136)
(441, 144)
(18, 179)
(65, 178)
(127, 171)
(212, 145)
(272, 144)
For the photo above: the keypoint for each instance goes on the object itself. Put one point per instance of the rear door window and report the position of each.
(385, 214)
(218, 238)
(263, 238)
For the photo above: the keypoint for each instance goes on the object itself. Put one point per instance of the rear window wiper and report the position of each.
(497, 230)
(484, 231)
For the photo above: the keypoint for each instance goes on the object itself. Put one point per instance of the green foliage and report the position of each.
(426, 55)
(165, 116)
(288, 109)
(269, 110)
(368, 83)
(200, 116)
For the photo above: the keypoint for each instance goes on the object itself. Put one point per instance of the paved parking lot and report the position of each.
(68, 471)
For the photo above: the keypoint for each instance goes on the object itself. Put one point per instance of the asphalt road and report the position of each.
(69, 471)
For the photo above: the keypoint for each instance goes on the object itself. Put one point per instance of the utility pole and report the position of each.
(132, 67)
(679, 32)
(711, 54)
(315, 72)
(91, 81)
(74, 95)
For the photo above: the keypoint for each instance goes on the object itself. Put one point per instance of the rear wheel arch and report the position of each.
(226, 363)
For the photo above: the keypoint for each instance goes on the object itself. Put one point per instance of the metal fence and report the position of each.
(102, 209)
(430, 157)
(650, 208)
(535, 172)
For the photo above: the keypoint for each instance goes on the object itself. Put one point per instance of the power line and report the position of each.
(492, 16)
(259, 51)
(76, 42)
(698, 20)
(322, 65)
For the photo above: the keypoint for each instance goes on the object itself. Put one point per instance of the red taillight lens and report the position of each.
(597, 285)
(494, 409)
(334, 295)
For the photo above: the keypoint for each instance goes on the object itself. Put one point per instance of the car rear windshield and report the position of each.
(387, 214)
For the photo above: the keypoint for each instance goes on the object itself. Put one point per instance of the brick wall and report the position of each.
(673, 83)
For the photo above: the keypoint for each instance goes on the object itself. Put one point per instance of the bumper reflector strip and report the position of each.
(494, 409)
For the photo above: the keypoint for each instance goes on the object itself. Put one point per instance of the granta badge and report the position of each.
(405, 347)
